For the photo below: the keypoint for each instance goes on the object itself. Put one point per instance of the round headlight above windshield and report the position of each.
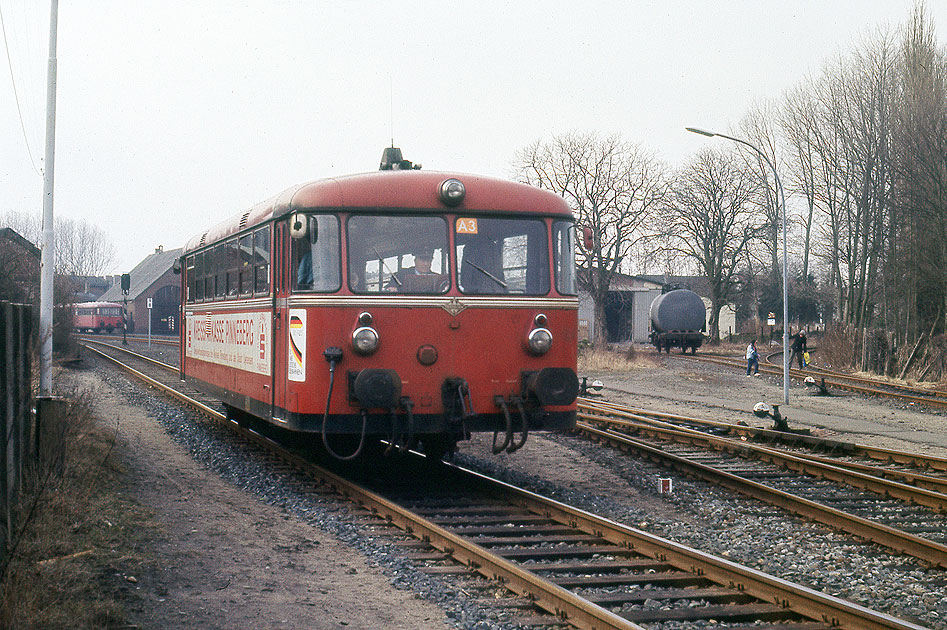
(452, 192)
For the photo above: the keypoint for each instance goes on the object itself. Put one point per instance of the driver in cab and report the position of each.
(405, 280)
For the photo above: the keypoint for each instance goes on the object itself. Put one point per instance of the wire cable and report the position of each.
(16, 96)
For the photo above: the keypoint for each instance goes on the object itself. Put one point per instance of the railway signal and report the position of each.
(126, 285)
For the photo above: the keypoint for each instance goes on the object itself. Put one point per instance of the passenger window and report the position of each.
(189, 275)
(232, 262)
(316, 258)
(220, 271)
(245, 252)
(261, 260)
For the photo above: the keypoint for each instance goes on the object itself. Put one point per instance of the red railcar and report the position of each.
(97, 317)
(403, 305)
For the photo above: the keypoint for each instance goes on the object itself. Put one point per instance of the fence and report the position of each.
(15, 414)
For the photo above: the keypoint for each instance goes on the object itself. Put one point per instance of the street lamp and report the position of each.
(779, 187)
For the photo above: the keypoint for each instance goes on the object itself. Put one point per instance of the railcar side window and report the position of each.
(189, 275)
(316, 258)
(220, 267)
(397, 254)
(245, 251)
(502, 256)
(232, 253)
(261, 260)
(563, 254)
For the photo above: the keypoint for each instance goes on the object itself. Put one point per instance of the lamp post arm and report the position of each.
(782, 199)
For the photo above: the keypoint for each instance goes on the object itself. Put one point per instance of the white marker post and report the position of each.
(149, 322)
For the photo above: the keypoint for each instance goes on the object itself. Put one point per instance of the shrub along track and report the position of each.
(585, 570)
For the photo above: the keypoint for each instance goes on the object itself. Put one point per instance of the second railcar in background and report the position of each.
(404, 305)
(97, 317)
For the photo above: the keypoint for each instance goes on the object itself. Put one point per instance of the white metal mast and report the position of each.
(48, 260)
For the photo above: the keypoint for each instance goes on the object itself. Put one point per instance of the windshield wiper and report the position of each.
(385, 267)
(486, 273)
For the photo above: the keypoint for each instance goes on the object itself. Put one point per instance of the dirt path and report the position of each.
(227, 560)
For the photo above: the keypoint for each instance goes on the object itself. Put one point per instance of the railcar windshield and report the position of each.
(316, 256)
(498, 256)
(397, 254)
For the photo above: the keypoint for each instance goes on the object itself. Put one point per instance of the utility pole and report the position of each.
(48, 260)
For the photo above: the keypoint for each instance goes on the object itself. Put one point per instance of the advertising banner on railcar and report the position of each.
(237, 340)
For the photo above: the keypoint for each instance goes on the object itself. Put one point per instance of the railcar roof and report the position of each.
(96, 304)
(390, 189)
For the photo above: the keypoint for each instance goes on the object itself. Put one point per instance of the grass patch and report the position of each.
(596, 361)
(80, 537)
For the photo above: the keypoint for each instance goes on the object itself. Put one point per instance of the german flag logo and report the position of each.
(295, 330)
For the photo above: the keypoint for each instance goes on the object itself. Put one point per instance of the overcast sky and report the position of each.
(172, 116)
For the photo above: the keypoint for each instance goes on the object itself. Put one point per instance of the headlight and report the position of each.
(539, 341)
(451, 192)
(365, 340)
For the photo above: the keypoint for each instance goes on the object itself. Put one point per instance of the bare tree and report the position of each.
(614, 188)
(917, 262)
(799, 121)
(82, 249)
(758, 127)
(712, 218)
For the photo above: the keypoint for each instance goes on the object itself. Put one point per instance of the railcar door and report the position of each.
(280, 323)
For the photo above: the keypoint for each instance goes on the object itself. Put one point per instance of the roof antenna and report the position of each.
(391, 109)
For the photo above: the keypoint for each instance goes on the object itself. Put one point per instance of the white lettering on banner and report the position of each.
(237, 340)
(296, 370)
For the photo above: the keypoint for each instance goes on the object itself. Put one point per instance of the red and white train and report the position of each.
(97, 317)
(402, 305)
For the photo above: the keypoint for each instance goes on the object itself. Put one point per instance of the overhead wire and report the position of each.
(16, 96)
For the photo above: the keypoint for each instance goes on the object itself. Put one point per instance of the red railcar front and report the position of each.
(413, 306)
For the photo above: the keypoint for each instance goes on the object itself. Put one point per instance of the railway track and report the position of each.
(841, 381)
(583, 570)
(162, 340)
(898, 500)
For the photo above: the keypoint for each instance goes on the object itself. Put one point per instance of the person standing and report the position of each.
(752, 359)
(798, 348)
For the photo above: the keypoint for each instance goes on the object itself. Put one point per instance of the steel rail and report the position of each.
(552, 598)
(560, 602)
(928, 551)
(819, 467)
(869, 387)
(851, 448)
(156, 362)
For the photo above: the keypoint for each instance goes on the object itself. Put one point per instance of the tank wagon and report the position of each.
(678, 319)
(401, 305)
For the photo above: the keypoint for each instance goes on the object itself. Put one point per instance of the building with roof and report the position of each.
(153, 278)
